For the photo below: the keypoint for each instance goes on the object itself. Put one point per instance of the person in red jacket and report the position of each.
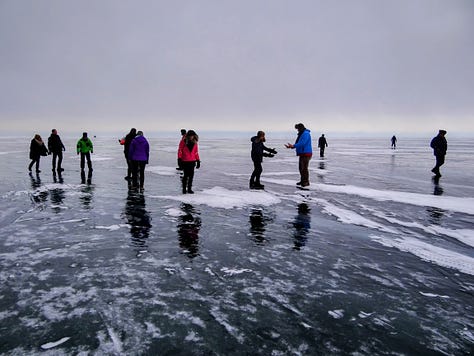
(189, 157)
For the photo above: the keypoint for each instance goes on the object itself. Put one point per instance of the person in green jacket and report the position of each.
(85, 148)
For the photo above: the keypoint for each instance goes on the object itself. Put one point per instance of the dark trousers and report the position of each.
(321, 152)
(34, 161)
(439, 162)
(85, 156)
(188, 174)
(257, 171)
(59, 156)
(303, 167)
(138, 173)
(129, 166)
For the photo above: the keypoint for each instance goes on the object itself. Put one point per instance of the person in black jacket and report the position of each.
(56, 148)
(322, 144)
(257, 155)
(439, 146)
(37, 149)
(128, 140)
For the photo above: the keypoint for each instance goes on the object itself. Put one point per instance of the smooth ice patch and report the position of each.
(219, 197)
(462, 205)
(162, 170)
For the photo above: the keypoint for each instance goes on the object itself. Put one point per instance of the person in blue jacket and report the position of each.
(304, 150)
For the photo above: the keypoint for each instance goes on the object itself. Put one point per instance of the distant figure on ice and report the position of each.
(439, 146)
(180, 148)
(126, 148)
(85, 148)
(56, 148)
(394, 142)
(304, 151)
(322, 144)
(139, 154)
(37, 149)
(257, 155)
(189, 157)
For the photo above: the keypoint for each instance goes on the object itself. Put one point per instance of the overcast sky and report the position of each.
(337, 66)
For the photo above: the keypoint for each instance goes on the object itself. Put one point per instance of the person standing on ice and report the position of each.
(139, 154)
(85, 148)
(180, 148)
(56, 148)
(257, 155)
(189, 157)
(439, 146)
(322, 144)
(394, 142)
(304, 150)
(37, 149)
(126, 148)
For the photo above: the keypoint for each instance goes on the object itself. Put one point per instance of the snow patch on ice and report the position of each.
(50, 345)
(219, 197)
(336, 314)
(175, 212)
(234, 271)
(430, 253)
(431, 295)
(462, 205)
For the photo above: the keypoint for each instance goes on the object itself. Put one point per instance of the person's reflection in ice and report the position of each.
(320, 174)
(188, 226)
(58, 178)
(38, 196)
(138, 218)
(57, 197)
(86, 196)
(436, 213)
(258, 223)
(302, 225)
(89, 177)
(322, 165)
(438, 190)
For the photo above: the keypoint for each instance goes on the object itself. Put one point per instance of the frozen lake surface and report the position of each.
(376, 258)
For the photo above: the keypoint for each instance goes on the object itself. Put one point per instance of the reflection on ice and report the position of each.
(258, 222)
(302, 225)
(138, 218)
(188, 230)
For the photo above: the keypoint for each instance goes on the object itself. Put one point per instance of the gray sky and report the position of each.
(391, 66)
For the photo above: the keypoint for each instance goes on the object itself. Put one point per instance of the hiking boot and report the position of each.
(190, 191)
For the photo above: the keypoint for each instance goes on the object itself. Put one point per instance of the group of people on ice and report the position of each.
(55, 148)
(137, 154)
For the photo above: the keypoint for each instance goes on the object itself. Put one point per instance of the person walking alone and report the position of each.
(139, 154)
(257, 155)
(85, 148)
(439, 146)
(322, 144)
(37, 149)
(394, 142)
(56, 148)
(189, 157)
(304, 151)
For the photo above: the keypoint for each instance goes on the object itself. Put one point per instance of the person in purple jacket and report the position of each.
(139, 153)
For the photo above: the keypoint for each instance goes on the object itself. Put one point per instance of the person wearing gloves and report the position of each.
(304, 150)
(85, 148)
(257, 154)
(189, 157)
(139, 154)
